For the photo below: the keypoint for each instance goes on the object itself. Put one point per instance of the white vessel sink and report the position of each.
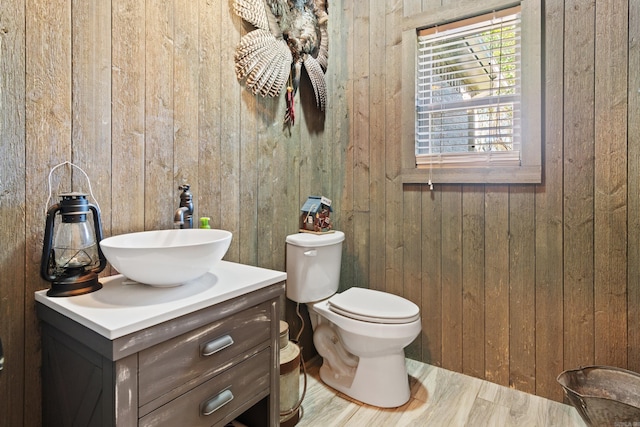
(166, 257)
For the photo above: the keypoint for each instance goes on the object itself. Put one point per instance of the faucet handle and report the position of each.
(186, 198)
(186, 201)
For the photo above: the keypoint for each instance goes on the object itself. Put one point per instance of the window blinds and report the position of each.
(468, 92)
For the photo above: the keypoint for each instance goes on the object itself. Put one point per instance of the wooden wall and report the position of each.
(515, 282)
(519, 283)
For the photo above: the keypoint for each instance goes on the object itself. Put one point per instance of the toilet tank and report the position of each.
(313, 265)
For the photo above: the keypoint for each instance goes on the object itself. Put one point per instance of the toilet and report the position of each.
(360, 333)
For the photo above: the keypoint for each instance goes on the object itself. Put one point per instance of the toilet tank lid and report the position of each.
(310, 240)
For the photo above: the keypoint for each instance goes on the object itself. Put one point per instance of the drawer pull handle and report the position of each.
(217, 402)
(216, 345)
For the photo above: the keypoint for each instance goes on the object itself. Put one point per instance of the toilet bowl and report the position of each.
(360, 333)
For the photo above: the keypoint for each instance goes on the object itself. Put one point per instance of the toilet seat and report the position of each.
(369, 305)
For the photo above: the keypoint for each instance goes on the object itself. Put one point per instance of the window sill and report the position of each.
(473, 175)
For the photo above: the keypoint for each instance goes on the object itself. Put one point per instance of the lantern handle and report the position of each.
(97, 226)
(47, 256)
(67, 162)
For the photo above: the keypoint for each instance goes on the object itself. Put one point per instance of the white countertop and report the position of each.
(122, 307)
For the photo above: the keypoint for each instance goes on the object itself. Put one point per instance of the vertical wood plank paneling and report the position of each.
(310, 175)
(578, 183)
(293, 198)
(633, 188)
(432, 309)
(268, 197)
(248, 231)
(411, 7)
(13, 293)
(292, 201)
(549, 216)
(230, 132)
(270, 194)
(361, 247)
(322, 121)
(377, 172)
(311, 159)
(128, 116)
(361, 137)
(266, 194)
(210, 123)
(522, 301)
(91, 102)
(327, 123)
(185, 102)
(282, 209)
(286, 216)
(412, 268)
(347, 207)
(392, 166)
(337, 125)
(473, 283)
(452, 278)
(428, 5)
(496, 276)
(332, 117)
(159, 188)
(610, 240)
(48, 143)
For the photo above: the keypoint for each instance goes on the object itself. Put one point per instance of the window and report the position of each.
(475, 108)
(468, 91)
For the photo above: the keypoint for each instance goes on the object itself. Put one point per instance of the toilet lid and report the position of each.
(374, 306)
(309, 240)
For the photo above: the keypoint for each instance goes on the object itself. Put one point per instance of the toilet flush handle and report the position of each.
(311, 252)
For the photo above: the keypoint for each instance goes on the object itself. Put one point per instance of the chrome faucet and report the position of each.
(184, 214)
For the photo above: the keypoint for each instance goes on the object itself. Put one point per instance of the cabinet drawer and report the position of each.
(220, 398)
(196, 356)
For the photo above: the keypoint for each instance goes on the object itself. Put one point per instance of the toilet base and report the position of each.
(379, 381)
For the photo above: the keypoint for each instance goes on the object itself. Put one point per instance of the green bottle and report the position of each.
(204, 222)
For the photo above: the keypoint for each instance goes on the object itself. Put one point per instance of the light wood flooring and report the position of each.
(438, 398)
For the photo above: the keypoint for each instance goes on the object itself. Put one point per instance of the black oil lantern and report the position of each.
(72, 259)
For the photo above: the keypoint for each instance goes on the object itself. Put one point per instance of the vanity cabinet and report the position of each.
(203, 368)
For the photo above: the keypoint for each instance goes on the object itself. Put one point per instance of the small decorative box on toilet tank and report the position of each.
(314, 217)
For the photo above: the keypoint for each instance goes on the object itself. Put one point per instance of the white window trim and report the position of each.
(530, 169)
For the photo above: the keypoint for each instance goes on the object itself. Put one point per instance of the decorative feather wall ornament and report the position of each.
(289, 34)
